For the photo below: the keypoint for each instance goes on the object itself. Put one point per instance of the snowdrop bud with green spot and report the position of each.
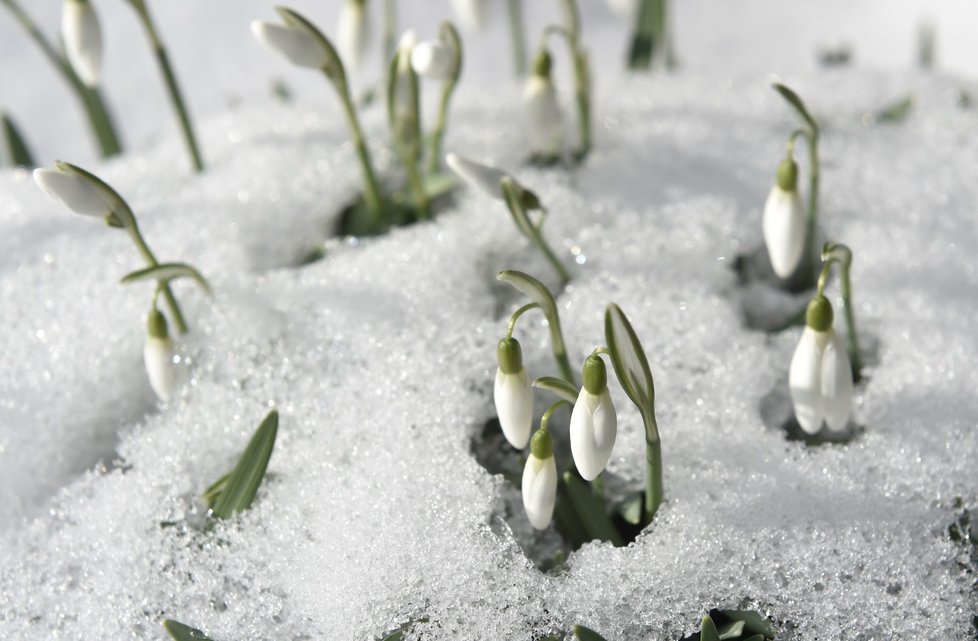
(540, 480)
(300, 47)
(542, 109)
(82, 38)
(820, 377)
(512, 394)
(594, 422)
(784, 221)
(353, 32)
(165, 376)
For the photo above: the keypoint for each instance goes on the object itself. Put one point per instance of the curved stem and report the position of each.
(545, 419)
(854, 352)
(371, 189)
(171, 301)
(516, 315)
(173, 90)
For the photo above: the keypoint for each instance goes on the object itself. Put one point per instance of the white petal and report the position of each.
(165, 377)
(539, 490)
(472, 14)
(543, 116)
(433, 59)
(593, 429)
(514, 406)
(836, 384)
(82, 37)
(624, 8)
(79, 195)
(784, 230)
(805, 380)
(481, 176)
(352, 33)
(299, 47)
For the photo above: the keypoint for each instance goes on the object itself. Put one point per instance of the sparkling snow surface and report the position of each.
(380, 359)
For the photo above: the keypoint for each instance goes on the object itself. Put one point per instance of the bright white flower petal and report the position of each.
(805, 379)
(543, 116)
(82, 38)
(299, 47)
(473, 14)
(514, 406)
(75, 192)
(593, 429)
(836, 384)
(539, 490)
(165, 376)
(352, 33)
(433, 59)
(784, 230)
(480, 176)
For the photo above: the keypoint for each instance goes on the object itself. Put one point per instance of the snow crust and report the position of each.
(380, 359)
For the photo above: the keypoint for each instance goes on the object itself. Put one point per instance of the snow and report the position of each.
(380, 359)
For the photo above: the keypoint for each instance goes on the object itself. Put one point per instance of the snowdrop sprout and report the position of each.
(169, 77)
(582, 73)
(820, 377)
(306, 46)
(539, 485)
(543, 114)
(89, 97)
(784, 220)
(404, 115)
(593, 423)
(85, 193)
(165, 376)
(353, 32)
(82, 36)
(512, 393)
(440, 59)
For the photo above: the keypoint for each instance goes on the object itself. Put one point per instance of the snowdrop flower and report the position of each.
(480, 176)
(82, 38)
(784, 221)
(542, 110)
(512, 394)
(165, 376)
(433, 59)
(820, 377)
(83, 193)
(473, 14)
(540, 480)
(301, 47)
(352, 32)
(594, 423)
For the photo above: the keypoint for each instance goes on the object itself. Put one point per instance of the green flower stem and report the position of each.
(91, 99)
(831, 254)
(511, 326)
(653, 472)
(537, 239)
(171, 301)
(514, 9)
(438, 135)
(416, 184)
(171, 82)
(389, 40)
(582, 74)
(812, 220)
(597, 486)
(371, 188)
(649, 39)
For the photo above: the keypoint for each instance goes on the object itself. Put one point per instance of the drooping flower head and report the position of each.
(165, 376)
(594, 422)
(543, 115)
(512, 394)
(539, 485)
(784, 221)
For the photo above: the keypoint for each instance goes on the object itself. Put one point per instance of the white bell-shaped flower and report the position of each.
(473, 14)
(77, 193)
(512, 394)
(540, 481)
(82, 38)
(433, 59)
(353, 32)
(480, 176)
(166, 377)
(820, 378)
(301, 47)
(594, 422)
(784, 221)
(543, 115)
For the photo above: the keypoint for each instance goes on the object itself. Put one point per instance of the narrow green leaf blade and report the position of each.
(182, 632)
(511, 193)
(591, 511)
(792, 99)
(16, 145)
(243, 482)
(582, 633)
(212, 493)
(708, 630)
(559, 387)
(628, 358)
(165, 272)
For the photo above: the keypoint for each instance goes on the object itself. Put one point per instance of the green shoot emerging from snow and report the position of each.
(235, 491)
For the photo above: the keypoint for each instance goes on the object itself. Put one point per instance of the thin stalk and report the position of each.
(438, 135)
(371, 188)
(812, 220)
(514, 10)
(390, 32)
(417, 185)
(852, 338)
(176, 99)
(653, 477)
(597, 486)
(643, 37)
(511, 326)
(91, 99)
(582, 86)
(171, 301)
(548, 253)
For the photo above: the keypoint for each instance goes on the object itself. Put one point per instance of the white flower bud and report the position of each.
(433, 59)
(473, 14)
(77, 193)
(784, 230)
(82, 38)
(513, 397)
(539, 490)
(593, 429)
(165, 376)
(476, 174)
(820, 380)
(543, 115)
(353, 33)
(301, 48)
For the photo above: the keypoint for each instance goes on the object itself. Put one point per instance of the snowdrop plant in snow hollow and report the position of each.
(581, 513)
(544, 119)
(571, 33)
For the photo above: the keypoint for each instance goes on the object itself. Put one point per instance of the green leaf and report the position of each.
(512, 193)
(591, 511)
(559, 387)
(631, 508)
(242, 484)
(436, 185)
(731, 630)
(212, 493)
(20, 155)
(708, 630)
(582, 633)
(754, 622)
(165, 272)
(628, 358)
(181, 632)
(792, 99)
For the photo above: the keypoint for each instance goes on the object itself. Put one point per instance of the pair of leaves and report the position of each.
(234, 492)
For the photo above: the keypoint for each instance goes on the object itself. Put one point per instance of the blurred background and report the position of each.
(220, 66)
